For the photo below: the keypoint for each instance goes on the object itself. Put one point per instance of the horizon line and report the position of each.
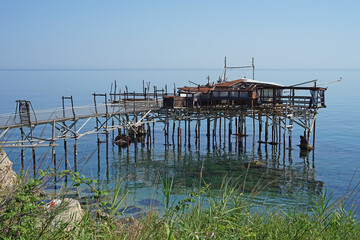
(115, 69)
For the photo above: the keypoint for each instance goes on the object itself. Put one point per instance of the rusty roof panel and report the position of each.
(197, 89)
(230, 84)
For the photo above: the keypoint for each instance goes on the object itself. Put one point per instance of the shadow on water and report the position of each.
(278, 180)
(284, 174)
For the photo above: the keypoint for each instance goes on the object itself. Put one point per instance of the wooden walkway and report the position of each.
(13, 120)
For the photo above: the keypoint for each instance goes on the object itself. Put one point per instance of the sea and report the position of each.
(285, 175)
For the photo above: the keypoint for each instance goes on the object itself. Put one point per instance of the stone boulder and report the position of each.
(8, 178)
(67, 211)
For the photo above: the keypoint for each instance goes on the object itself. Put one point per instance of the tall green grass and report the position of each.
(205, 214)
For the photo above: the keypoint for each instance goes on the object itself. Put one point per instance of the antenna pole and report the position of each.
(224, 70)
(330, 82)
(253, 67)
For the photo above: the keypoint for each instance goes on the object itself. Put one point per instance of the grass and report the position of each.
(204, 214)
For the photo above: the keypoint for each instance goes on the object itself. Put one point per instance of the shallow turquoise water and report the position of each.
(332, 165)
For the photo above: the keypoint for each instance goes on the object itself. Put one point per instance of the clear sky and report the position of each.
(179, 34)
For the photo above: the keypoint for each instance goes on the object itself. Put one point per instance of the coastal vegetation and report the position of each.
(226, 213)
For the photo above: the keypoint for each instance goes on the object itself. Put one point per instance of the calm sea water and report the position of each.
(332, 165)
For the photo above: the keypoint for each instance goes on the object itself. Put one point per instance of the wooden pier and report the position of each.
(225, 111)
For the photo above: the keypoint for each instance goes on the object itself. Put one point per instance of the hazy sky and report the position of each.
(179, 34)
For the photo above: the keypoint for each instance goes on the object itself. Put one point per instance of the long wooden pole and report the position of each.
(53, 151)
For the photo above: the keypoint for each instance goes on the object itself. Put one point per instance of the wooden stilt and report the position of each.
(53, 152)
(75, 154)
(185, 122)
(165, 135)
(260, 127)
(107, 145)
(214, 130)
(199, 129)
(230, 129)
(167, 131)
(148, 132)
(314, 128)
(236, 126)
(113, 132)
(266, 129)
(178, 135)
(22, 150)
(224, 131)
(279, 120)
(230, 133)
(241, 126)
(65, 155)
(208, 132)
(245, 132)
(33, 152)
(173, 133)
(153, 133)
(220, 130)
(189, 133)
(196, 134)
(273, 130)
(290, 138)
(106, 130)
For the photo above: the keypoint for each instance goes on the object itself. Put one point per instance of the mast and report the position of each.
(253, 67)
(224, 80)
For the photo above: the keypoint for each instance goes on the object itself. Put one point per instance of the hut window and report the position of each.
(267, 93)
(224, 94)
(314, 98)
(205, 95)
(243, 94)
(234, 94)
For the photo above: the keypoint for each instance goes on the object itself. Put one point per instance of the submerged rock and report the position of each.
(137, 131)
(254, 164)
(8, 178)
(304, 144)
(149, 202)
(237, 168)
(130, 209)
(124, 210)
(122, 140)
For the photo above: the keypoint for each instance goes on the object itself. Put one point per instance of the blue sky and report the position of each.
(179, 34)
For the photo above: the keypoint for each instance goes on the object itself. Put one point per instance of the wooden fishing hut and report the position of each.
(244, 92)
(270, 104)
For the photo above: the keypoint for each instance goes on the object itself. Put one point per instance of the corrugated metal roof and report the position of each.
(246, 80)
(250, 85)
(197, 89)
(231, 83)
(264, 83)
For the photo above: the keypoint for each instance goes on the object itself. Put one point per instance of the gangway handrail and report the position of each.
(9, 120)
